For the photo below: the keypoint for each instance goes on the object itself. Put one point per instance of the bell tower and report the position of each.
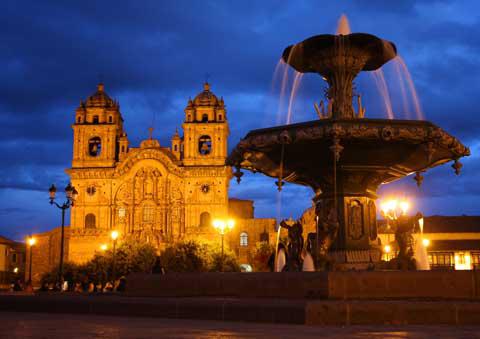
(97, 132)
(205, 130)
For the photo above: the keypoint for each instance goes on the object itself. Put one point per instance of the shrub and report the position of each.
(261, 256)
(131, 257)
(193, 256)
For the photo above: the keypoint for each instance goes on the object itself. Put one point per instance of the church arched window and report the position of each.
(220, 117)
(244, 239)
(95, 119)
(79, 119)
(205, 145)
(90, 221)
(110, 119)
(205, 117)
(94, 146)
(205, 219)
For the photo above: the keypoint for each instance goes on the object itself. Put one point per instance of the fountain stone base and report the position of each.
(354, 242)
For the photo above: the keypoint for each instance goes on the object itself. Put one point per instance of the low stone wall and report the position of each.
(316, 285)
(239, 285)
(298, 311)
(404, 284)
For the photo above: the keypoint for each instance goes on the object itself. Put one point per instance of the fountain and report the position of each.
(343, 156)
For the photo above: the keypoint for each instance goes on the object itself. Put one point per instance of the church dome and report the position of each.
(206, 98)
(100, 98)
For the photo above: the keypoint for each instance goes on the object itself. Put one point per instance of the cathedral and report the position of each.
(156, 193)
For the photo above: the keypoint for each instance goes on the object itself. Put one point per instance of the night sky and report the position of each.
(154, 55)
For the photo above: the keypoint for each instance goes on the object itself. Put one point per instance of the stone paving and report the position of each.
(42, 325)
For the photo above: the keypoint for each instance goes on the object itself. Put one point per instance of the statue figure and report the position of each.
(327, 231)
(404, 227)
(295, 245)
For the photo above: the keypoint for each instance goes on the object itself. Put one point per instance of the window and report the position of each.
(441, 259)
(175, 148)
(148, 214)
(95, 119)
(205, 118)
(189, 117)
(94, 146)
(79, 119)
(205, 145)
(220, 117)
(14, 258)
(205, 219)
(264, 236)
(243, 239)
(90, 221)
(123, 149)
(110, 119)
(475, 260)
(91, 190)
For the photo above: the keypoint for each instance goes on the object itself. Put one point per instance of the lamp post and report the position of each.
(71, 194)
(222, 226)
(114, 236)
(31, 241)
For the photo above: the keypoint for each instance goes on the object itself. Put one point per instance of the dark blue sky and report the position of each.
(153, 55)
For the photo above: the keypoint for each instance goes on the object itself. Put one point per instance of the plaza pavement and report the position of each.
(73, 326)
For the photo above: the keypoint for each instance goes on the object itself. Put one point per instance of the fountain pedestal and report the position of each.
(352, 202)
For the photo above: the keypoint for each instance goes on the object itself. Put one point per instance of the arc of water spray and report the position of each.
(295, 86)
(280, 70)
(401, 83)
(411, 86)
(379, 78)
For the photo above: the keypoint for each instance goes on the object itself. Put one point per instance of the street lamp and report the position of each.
(71, 194)
(31, 241)
(103, 247)
(223, 226)
(114, 236)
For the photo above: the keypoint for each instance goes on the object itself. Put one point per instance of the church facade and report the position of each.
(155, 193)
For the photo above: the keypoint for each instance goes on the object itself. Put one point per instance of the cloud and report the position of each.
(153, 55)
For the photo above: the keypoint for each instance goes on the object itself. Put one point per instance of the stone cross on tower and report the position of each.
(150, 132)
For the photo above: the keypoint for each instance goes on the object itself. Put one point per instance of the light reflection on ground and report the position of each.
(42, 325)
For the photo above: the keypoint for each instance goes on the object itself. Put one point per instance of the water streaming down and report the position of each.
(308, 264)
(280, 70)
(279, 217)
(381, 85)
(420, 251)
(403, 92)
(281, 260)
(403, 71)
(293, 92)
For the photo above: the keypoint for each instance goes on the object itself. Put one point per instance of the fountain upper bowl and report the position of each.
(324, 53)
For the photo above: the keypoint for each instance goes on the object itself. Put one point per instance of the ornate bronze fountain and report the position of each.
(344, 157)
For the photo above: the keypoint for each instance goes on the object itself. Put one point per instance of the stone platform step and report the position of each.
(319, 285)
(287, 311)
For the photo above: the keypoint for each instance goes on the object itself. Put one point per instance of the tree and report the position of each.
(186, 256)
(131, 256)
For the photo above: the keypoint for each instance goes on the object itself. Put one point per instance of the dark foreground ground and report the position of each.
(44, 325)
